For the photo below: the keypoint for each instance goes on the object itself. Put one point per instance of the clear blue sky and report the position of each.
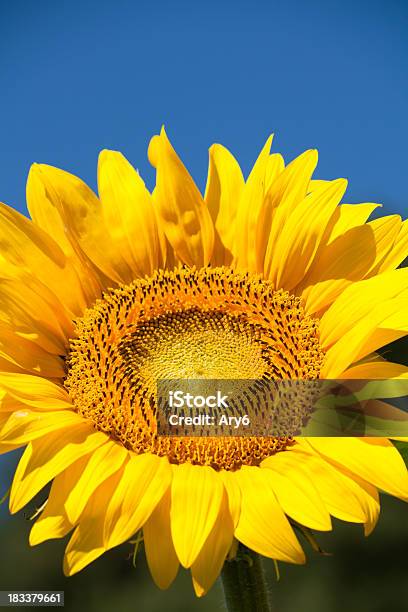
(76, 77)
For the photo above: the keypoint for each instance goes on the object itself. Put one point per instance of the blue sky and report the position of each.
(76, 77)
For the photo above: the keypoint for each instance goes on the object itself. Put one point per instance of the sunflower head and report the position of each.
(268, 278)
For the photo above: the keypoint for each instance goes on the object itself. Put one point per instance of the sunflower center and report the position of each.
(194, 343)
(186, 324)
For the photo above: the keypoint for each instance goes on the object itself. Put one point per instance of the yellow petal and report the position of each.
(44, 206)
(274, 167)
(46, 457)
(350, 257)
(290, 188)
(370, 502)
(345, 497)
(250, 205)
(40, 393)
(347, 216)
(51, 525)
(344, 218)
(208, 565)
(376, 369)
(28, 247)
(183, 214)
(128, 212)
(316, 184)
(86, 543)
(8, 404)
(8, 366)
(6, 447)
(356, 302)
(392, 326)
(160, 554)
(82, 216)
(23, 426)
(196, 496)
(25, 309)
(144, 482)
(27, 355)
(262, 525)
(225, 184)
(53, 522)
(296, 492)
(398, 252)
(301, 234)
(365, 336)
(234, 495)
(99, 466)
(381, 336)
(398, 318)
(375, 460)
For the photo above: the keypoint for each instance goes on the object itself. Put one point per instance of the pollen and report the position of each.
(186, 324)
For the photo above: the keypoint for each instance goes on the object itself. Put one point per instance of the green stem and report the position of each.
(244, 583)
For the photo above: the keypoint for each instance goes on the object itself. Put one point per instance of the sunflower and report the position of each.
(102, 296)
